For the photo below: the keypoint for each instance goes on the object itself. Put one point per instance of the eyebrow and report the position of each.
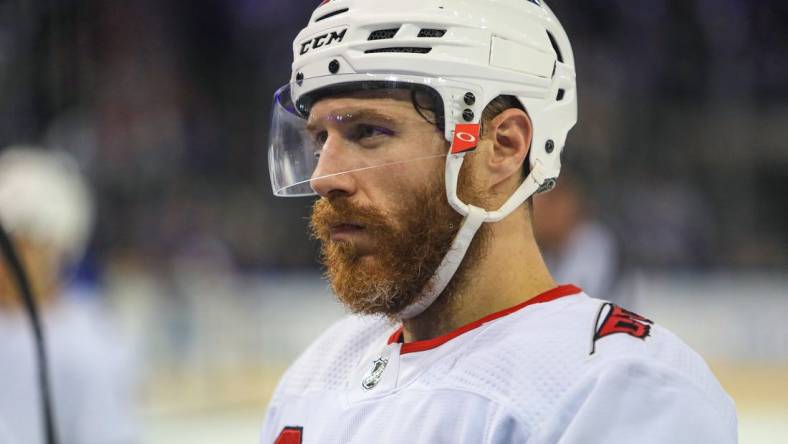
(350, 115)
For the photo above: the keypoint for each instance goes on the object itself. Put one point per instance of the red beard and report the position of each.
(404, 257)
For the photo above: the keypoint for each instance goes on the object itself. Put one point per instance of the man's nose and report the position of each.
(332, 174)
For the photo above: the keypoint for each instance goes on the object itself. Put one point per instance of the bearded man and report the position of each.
(425, 127)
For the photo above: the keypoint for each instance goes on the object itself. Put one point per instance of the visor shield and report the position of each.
(356, 124)
(292, 154)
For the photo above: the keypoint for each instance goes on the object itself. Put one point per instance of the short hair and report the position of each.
(499, 105)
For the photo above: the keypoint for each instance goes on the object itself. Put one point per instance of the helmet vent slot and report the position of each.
(332, 14)
(432, 33)
(410, 50)
(560, 96)
(383, 34)
(555, 47)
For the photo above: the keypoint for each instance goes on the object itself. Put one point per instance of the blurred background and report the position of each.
(674, 189)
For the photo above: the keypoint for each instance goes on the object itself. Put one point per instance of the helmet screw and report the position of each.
(549, 146)
(467, 115)
(547, 185)
(470, 99)
(300, 78)
(333, 67)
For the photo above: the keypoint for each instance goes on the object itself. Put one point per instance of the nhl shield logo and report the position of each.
(375, 373)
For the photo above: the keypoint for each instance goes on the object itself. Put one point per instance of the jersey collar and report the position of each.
(417, 346)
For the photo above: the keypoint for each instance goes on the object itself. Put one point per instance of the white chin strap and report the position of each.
(474, 218)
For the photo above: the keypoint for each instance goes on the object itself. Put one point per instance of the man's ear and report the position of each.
(510, 133)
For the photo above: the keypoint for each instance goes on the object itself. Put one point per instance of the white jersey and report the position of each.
(560, 368)
(90, 370)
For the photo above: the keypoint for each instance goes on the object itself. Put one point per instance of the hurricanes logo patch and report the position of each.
(290, 435)
(613, 319)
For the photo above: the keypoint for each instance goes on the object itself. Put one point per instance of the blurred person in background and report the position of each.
(576, 246)
(47, 208)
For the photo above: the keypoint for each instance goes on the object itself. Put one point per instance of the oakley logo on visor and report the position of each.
(466, 137)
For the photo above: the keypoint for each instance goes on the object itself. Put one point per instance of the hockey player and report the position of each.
(424, 127)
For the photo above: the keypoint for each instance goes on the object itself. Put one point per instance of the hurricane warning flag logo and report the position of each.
(613, 319)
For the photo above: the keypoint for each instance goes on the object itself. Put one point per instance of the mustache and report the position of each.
(327, 213)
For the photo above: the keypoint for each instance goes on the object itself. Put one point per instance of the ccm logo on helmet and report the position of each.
(323, 40)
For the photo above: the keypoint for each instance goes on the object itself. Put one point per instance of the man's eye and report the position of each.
(320, 137)
(361, 132)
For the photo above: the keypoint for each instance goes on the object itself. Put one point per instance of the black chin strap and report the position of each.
(30, 307)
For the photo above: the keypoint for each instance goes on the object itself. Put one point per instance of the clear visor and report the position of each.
(365, 126)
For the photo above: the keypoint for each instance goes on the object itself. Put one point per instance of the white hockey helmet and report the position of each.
(467, 53)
